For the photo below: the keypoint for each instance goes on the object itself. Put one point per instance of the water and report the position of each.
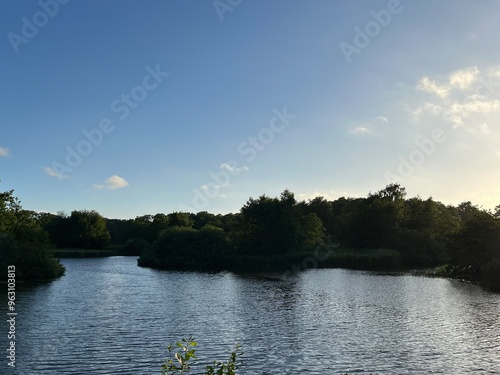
(108, 316)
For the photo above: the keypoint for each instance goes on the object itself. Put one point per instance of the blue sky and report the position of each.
(199, 105)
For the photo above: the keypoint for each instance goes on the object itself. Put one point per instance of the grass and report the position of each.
(368, 259)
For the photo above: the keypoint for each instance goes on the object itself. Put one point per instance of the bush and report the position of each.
(419, 248)
(135, 247)
(491, 274)
(33, 260)
(24, 244)
(187, 248)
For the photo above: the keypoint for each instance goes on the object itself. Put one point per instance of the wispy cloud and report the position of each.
(476, 106)
(464, 78)
(369, 127)
(461, 79)
(52, 173)
(425, 84)
(112, 183)
(469, 97)
(233, 168)
(361, 130)
(429, 108)
(4, 151)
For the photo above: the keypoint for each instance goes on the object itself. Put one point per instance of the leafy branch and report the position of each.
(182, 357)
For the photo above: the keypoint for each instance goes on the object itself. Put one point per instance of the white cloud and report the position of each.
(361, 130)
(212, 186)
(429, 108)
(457, 112)
(4, 151)
(233, 167)
(495, 71)
(464, 78)
(476, 106)
(52, 173)
(465, 105)
(475, 95)
(112, 183)
(382, 119)
(432, 87)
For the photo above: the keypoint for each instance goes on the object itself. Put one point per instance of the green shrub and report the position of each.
(33, 260)
(181, 358)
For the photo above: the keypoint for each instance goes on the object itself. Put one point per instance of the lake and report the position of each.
(109, 316)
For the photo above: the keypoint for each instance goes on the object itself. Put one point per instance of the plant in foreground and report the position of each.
(182, 357)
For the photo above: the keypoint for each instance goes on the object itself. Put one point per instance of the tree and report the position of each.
(139, 227)
(313, 230)
(180, 219)
(425, 231)
(87, 230)
(324, 210)
(477, 242)
(118, 230)
(159, 223)
(23, 242)
(135, 247)
(266, 229)
(491, 274)
(57, 226)
(374, 222)
(466, 209)
(345, 211)
(496, 213)
(392, 192)
(272, 226)
(205, 218)
(184, 247)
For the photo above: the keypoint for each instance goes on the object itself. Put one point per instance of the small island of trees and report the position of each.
(386, 231)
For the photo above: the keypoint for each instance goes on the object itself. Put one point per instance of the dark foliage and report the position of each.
(383, 230)
(24, 244)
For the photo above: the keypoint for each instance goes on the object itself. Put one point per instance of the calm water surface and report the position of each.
(108, 316)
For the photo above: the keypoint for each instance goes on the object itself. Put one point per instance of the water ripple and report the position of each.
(108, 316)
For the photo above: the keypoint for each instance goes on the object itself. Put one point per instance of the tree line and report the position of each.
(273, 232)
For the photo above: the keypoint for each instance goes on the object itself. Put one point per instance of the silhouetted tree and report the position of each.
(180, 219)
(87, 229)
(477, 242)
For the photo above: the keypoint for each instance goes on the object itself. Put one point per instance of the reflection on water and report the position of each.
(108, 316)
